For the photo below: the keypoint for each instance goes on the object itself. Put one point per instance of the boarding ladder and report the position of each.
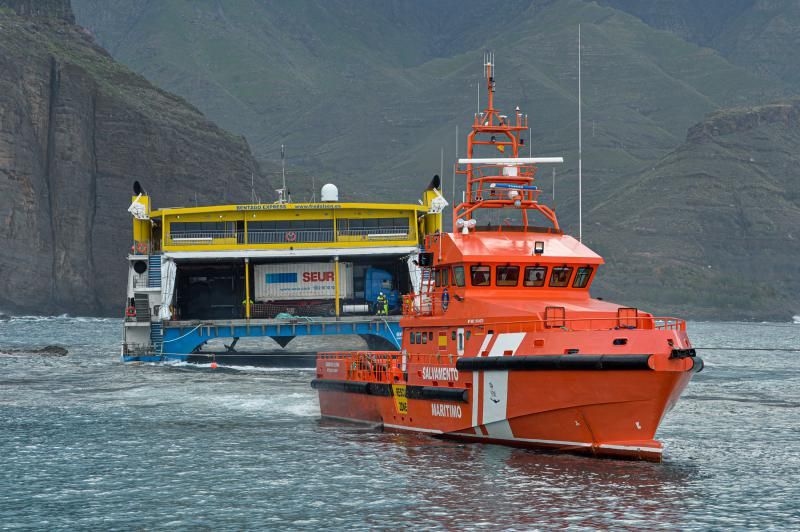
(154, 271)
(156, 336)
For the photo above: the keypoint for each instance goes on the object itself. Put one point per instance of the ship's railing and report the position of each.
(281, 237)
(214, 238)
(131, 349)
(367, 366)
(373, 233)
(502, 171)
(140, 280)
(590, 324)
(201, 238)
(434, 305)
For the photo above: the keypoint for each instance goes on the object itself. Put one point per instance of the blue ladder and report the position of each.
(156, 336)
(154, 271)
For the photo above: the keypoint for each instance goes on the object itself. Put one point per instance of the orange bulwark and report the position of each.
(502, 342)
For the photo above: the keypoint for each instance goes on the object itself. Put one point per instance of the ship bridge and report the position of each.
(277, 270)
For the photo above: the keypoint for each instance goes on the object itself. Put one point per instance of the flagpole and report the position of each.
(283, 172)
(580, 146)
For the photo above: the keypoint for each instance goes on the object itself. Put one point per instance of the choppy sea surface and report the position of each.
(88, 442)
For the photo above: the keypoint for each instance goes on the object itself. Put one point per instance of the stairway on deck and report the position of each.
(142, 305)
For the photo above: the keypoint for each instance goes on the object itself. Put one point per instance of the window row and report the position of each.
(178, 228)
(481, 275)
(373, 224)
(291, 225)
(420, 337)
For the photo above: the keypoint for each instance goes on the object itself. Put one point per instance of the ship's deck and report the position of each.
(287, 323)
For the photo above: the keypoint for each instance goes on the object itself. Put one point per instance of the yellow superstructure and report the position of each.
(286, 225)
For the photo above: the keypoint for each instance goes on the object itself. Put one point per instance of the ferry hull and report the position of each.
(602, 413)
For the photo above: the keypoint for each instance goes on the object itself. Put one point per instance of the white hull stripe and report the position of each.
(506, 342)
(475, 394)
(529, 440)
(637, 448)
(353, 420)
(631, 448)
(485, 343)
(414, 429)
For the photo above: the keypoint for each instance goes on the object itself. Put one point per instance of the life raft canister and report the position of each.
(291, 236)
(130, 312)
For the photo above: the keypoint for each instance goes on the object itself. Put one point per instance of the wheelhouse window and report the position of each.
(535, 275)
(506, 275)
(582, 277)
(458, 276)
(560, 276)
(442, 277)
(411, 337)
(480, 275)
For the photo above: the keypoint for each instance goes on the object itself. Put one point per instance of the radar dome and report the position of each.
(329, 193)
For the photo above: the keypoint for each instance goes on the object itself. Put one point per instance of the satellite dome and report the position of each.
(329, 193)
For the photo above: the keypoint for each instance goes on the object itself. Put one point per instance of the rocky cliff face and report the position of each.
(76, 129)
(52, 9)
(712, 229)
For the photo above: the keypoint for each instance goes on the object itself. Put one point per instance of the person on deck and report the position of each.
(383, 305)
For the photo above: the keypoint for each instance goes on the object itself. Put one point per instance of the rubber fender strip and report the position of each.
(697, 365)
(555, 363)
(341, 386)
(435, 393)
(682, 353)
(380, 388)
(430, 393)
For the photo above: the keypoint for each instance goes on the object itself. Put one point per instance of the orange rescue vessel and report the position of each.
(503, 342)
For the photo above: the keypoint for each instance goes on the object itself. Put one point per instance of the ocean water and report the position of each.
(90, 443)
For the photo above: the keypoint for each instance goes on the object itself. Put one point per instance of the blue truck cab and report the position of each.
(377, 281)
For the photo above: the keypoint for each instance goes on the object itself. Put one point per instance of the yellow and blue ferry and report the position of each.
(279, 269)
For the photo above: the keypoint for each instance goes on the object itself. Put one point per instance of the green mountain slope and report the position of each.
(760, 35)
(715, 226)
(367, 93)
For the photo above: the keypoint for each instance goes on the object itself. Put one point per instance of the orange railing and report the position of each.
(432, 305)
(383, 366)
(371, 366)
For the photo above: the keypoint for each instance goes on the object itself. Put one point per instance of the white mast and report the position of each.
(441, 170)
(454, 172)
(580, 146)
(283, 195)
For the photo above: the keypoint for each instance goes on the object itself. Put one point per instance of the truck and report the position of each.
(312, 284)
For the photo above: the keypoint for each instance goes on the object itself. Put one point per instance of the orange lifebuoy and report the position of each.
(291, 236)
(130, 312)
(141, 247)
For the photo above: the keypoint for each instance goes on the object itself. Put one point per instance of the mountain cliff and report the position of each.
(370, 92)
(76, 129)
(716, 222)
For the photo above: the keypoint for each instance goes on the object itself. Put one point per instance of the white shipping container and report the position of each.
(304, 280)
